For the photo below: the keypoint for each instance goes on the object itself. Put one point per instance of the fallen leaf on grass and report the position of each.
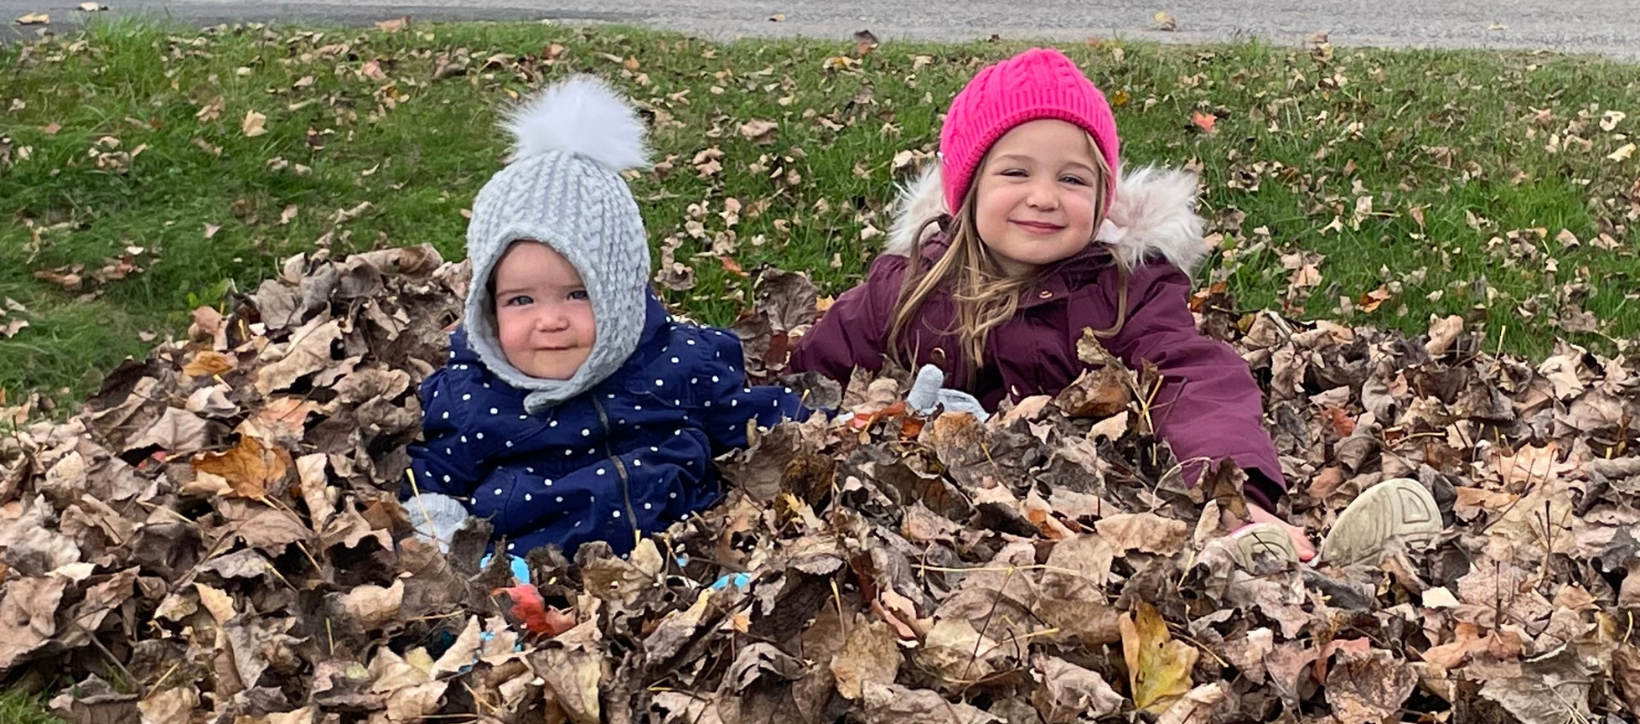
(394, 25)
(1204, 121)
(34, 19)
(93, 7)
(1165, 22)
(253, 124)
(13, 327)
(1622, 153)
(759, 132)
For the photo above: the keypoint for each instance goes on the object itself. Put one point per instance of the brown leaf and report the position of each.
(1145, 532)
(170, 706)
(208, 363)
(870, 656)
(374, 606)
(1165, 22)
(249, 467)
(1158, 666)
(34, 19)
(759, 132)
(28, 617)
(253, 125)
(1069, 692)
(892, 704)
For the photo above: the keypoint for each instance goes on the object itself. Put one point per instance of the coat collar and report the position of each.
(1153, 217)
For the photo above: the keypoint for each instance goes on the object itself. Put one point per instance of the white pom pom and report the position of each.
(584, 116)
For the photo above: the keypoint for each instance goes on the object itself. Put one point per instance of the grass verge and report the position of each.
(145, 170)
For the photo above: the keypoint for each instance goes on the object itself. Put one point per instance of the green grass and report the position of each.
(17, 708)
(357, 116)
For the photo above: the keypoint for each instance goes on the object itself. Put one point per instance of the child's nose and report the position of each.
(1043, 196)
(553, 318)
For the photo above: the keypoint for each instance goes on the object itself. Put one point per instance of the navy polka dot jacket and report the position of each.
(623, 460)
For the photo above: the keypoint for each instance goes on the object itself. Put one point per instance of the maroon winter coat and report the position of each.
(1209, 405)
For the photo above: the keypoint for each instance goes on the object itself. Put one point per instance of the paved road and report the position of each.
(1607, 27)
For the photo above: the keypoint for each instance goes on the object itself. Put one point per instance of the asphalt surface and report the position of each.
(1605, 27)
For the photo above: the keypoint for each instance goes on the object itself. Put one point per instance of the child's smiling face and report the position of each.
(542, 312)
(1038, 195)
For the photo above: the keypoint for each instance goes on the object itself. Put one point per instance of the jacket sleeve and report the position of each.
(732, 407)
(1209, 406)
(442, 463)
(854, 331)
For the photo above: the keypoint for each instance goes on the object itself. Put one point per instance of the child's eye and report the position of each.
(518, 301)
(1074, 180)
(579, 295)
(1014, 172)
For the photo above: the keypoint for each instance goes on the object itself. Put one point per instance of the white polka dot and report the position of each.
(647, 506)
(497, 491)
(447, 451)
(600, 471)
(466, 397)
(714, 378)
(527, 497)
(776, 403)
(445, 416)
(452, 355)
(577, 523)
(610, 396)
(673, 496)
(486, 385)
(734, 403)
(659, 383)
(675, 403)
(494, 411)
(592, 451)
(523, 417)
(708, 403)
(652, 448)
(586, 431)
(509, 443)
(616, 514)
(554, 423)
(446, 478)
(637, 463)
(549, 482)
(674, 360)
(788, 390)
(690, 342)
(677, 432)
(694, 380)
(478, 435)
(561, 499)
(464, 438)
(731, 368)
(435, 393)
(637, 407)
(529, 470)
(568, 452)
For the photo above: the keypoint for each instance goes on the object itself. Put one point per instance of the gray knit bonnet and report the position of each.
(562, 186)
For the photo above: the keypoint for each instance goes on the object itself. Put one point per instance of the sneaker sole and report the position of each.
(1398, 508)
(1263, 549)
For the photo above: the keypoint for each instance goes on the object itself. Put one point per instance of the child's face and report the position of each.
(1037, 194)
(542, 312)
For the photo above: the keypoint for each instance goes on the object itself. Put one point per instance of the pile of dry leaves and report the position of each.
(215, 538)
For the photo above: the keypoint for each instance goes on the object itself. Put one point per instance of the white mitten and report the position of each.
(435, 517)
(928, 394)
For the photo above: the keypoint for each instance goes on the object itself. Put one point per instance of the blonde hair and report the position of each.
(985, 296)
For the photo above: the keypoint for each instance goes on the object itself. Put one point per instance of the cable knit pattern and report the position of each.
(585, 211)
(1037, 84)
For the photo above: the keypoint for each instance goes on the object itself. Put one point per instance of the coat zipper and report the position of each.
(620, 469)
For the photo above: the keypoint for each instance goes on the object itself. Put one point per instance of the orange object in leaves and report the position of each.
(532, 610)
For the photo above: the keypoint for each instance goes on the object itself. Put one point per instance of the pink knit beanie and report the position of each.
(1038, 83)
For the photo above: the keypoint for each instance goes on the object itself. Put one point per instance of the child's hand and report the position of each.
(1301, 541)
(435, 517)
(928, 393)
